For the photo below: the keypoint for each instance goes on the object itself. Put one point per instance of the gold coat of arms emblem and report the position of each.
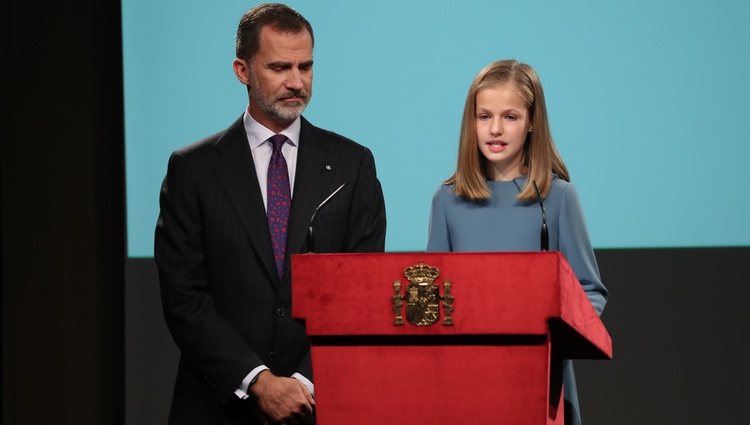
(422, 297)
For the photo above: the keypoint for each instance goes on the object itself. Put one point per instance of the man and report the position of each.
(234, 207)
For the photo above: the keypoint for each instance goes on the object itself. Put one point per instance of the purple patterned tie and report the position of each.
(279, 199)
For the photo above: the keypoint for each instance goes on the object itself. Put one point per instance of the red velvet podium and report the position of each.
(492, 355)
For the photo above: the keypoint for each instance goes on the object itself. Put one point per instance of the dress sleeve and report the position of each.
(576, 246)
(438, 236)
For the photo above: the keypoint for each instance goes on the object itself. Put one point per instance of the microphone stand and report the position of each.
(544, 236)
(310, 237)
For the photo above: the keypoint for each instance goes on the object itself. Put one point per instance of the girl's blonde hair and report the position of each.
(540, 157)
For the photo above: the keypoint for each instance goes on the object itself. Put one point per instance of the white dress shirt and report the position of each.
(261, 148)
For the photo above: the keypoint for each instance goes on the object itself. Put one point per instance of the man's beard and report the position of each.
(275, 107)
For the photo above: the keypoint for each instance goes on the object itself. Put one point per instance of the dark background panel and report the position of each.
(150, 354)
(678, 319)
(63, 239)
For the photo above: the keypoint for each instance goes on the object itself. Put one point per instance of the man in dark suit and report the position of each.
(234, 208)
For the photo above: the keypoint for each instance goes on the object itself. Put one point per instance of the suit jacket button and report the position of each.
(270, 356)
(280, 312)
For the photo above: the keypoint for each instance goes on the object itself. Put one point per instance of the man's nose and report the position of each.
(294, 80)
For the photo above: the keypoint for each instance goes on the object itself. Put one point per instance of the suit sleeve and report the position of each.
(576, 246)
(210, 345)
(367, 222)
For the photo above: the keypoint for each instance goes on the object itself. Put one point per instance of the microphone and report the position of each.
(310, 239)
(544, 236)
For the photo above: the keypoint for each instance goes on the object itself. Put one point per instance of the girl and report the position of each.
(511, 190)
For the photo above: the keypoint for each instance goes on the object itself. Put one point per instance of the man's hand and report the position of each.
(283, 400)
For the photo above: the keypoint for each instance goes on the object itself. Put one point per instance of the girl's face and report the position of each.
(502, 122)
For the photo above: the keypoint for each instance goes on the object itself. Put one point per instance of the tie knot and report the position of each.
(277, 141)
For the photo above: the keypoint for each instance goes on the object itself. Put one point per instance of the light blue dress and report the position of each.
(503, 223)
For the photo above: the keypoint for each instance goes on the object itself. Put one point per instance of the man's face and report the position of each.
(279, 76)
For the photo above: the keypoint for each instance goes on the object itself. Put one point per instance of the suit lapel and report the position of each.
(312, 183)
(236, 171)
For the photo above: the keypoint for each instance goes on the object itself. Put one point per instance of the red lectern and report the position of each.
(459, 338)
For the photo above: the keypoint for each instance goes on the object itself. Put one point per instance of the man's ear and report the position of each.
(242, 70)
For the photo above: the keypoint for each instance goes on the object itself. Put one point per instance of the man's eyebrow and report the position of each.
(279, 64)
(288, 65)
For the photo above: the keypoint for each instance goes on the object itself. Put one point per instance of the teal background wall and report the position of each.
(647, 102)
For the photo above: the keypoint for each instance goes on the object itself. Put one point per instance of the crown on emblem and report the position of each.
(421, 273)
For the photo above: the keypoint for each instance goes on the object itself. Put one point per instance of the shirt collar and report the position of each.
(257, 133)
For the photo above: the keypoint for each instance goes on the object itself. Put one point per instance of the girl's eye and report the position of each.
(511, 117)
(482, 117)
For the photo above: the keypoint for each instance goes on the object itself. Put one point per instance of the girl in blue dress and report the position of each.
(509, 183)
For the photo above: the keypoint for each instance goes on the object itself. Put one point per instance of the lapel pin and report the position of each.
(328, 167)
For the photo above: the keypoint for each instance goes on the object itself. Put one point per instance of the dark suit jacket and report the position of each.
(223, 302)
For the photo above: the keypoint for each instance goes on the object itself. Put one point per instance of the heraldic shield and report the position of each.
(423, 299)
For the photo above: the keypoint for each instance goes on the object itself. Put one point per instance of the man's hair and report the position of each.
(278, 16)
